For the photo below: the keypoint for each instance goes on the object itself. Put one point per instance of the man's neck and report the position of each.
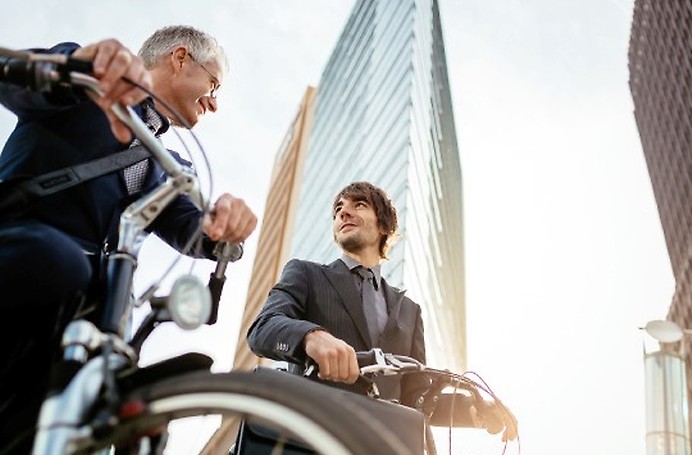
(366, 258)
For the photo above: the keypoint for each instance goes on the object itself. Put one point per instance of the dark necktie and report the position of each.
(367, 292)
(136, 173)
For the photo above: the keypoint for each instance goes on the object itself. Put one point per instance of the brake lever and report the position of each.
(309, 368)
(409, 365)
(389, 364)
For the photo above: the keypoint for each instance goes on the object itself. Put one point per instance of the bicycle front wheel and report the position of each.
(327, 420)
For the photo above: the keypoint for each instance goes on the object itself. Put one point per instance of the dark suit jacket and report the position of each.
(65, 128)
(310, 296)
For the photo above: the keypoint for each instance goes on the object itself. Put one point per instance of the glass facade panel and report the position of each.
(666, 404)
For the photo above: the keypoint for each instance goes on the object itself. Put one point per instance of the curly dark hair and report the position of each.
(384, 210)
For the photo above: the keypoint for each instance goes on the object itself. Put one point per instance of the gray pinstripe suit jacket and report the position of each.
(310, 296)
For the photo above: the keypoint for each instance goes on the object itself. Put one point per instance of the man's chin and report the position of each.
(350, 243)
(190, 124)
(192, 121)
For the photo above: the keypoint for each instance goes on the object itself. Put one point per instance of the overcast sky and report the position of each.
(565, 257)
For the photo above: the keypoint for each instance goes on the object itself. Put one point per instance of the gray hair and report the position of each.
(201, 45)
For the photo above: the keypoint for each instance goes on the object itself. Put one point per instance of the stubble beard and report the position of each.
(351, 243)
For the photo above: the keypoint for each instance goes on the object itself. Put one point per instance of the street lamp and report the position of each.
(667, 428)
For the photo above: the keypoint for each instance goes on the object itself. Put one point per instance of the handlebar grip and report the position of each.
(41, 75)
(365, 358)
(18, 71)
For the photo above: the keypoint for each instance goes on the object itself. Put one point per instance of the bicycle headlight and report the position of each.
(189, 302)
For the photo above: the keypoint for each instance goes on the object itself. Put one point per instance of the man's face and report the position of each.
(355, 226)
(194, 87)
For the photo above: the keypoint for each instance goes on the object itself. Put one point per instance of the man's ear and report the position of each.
(177, 58)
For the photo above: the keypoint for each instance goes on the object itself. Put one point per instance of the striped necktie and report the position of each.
(136, 173)
(367, 292)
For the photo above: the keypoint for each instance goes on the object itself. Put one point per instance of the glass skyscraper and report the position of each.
(383, 114)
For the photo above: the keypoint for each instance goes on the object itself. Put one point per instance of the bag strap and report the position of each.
(17, 197)
(52, 182)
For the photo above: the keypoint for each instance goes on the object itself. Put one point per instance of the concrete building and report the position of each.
(660, 64)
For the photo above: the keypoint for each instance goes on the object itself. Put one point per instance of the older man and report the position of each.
(51, 251)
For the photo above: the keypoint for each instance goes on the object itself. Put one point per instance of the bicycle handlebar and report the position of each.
(376, 362)
(439, 406)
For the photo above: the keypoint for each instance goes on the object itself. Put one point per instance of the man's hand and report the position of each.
(112, 61)
(334, 357)
(231, 220)
(495, 419)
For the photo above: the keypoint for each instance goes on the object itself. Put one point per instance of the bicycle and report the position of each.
(101, 400)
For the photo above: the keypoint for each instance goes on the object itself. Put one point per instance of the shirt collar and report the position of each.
(352, 264)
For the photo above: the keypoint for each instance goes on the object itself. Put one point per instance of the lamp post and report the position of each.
(667, 429)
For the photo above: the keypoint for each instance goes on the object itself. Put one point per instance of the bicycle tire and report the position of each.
(326, 418)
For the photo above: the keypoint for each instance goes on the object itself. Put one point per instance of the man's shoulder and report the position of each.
(296, 265)
(299, 264)
(409, 306)
(394, 288)
(296, 262)
(64, 47)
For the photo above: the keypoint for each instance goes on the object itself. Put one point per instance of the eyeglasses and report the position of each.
(217, 85)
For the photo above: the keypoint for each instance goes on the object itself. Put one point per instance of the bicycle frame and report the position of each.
(61, 414)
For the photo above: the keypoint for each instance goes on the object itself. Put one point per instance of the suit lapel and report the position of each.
(342, 280)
